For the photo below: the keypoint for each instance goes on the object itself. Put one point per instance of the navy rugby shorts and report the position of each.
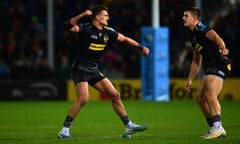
(83, 76)
(219, 71)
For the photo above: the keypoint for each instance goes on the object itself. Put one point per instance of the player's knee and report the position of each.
(82, 101)
(115, 96)
(200, 99)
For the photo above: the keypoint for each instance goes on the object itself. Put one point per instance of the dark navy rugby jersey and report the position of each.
(210, 52)
(92, 44)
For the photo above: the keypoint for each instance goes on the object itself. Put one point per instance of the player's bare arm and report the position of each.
(212, 35)
(195, 66)
(74, 20)
(131, 42)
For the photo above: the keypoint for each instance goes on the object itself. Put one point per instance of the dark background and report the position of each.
(23, 36)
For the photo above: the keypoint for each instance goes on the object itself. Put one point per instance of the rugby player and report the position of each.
(209, 50)
(93, 38)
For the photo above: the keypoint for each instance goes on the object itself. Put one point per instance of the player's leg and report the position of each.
(82, 98)
(202, 101)
(212, 86)
(106, 87)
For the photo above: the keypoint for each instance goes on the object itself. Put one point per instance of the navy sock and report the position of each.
(213, 119)
(125, 120)
(68, 121)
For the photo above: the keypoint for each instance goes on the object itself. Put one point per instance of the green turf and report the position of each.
(176, 122)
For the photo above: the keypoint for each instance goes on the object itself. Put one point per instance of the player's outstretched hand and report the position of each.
(145, 51)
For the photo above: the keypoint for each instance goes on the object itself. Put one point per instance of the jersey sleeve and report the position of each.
(81, 27)
(203, 28)
(112, 33)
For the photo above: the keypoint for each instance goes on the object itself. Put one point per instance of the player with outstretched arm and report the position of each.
(93, 38)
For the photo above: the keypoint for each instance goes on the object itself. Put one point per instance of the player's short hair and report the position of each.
(96, 9)
(194, 11)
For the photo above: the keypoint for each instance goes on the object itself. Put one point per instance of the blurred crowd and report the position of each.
(24, 36)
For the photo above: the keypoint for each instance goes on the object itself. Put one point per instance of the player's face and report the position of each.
(103, 18)
(188, 19)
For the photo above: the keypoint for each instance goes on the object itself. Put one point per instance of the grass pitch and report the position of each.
(175, 122)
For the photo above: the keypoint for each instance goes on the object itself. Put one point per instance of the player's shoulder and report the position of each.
(202, 27)
(85, 27)
(108, 28)
(85, 24)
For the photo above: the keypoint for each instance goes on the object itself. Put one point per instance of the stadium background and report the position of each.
(25, 72)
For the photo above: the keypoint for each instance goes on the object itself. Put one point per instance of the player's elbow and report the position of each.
(75, 28)
(71, 26)
(68, 25)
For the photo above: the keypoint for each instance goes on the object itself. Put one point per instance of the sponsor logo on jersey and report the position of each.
(105, 38)
(97, 47)
(94, 37)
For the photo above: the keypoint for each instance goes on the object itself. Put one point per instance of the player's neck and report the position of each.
(194, 25)
(97, 25)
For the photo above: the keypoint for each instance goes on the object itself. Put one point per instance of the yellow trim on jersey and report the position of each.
(97, 47)
(198, 47)
(229, 67)
(107, 28)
